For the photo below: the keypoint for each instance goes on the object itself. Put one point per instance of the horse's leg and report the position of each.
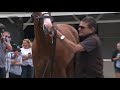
(70, 70)
(60, 73)
(37, 72)
(39, 68)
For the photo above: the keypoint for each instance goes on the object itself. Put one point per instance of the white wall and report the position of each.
(110, 35)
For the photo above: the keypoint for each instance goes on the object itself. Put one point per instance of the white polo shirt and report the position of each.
(25, 52)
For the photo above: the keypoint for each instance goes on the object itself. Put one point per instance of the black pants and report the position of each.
(2, 73)
(27, 71)
(11, 75)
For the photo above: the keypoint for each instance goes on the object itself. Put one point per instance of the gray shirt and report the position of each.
(16, 69)
(2, 55)
(90, 62)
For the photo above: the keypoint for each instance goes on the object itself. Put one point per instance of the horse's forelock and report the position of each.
(38, 13)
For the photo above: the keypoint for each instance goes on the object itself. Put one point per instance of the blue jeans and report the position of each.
(117, 70)
(11, 75)
(27, 71)
(2, 73)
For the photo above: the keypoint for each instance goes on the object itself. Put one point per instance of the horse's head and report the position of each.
(39, 17)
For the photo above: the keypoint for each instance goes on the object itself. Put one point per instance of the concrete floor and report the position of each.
(109, 69)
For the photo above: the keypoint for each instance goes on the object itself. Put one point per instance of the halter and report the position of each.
(53, 34)
(41, 18)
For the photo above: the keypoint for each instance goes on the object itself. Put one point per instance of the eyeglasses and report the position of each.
(82, 27)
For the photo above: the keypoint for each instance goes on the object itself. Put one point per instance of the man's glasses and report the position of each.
(82, 27)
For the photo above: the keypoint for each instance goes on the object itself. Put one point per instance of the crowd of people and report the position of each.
(18, 63)
(15, 62)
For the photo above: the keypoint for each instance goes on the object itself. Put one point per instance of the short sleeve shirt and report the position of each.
(90, 62)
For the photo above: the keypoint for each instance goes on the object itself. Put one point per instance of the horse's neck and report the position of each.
(38, 29)
(39, 36)
(42, 40)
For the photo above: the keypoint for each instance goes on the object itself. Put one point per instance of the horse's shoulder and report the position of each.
(71, 29)
(66, 27)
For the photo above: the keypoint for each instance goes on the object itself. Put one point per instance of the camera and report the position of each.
(4, 39)
(16, 47)
(13, 56)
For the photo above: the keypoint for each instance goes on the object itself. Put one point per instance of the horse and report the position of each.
(51, 58)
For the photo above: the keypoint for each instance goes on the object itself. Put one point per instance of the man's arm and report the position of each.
(114, 56)
(7, 43)
(72, 46)
(69, 44)
(8, 46)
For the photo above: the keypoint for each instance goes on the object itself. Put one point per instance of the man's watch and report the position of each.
(62, 37)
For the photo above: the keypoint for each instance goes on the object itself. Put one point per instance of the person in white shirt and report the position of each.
(27, 63)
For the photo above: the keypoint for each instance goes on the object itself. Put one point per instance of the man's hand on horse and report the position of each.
(48, 24)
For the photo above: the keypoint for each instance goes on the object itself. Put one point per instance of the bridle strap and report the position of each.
(53, 53)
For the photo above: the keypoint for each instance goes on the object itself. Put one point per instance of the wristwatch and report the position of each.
(62, 37)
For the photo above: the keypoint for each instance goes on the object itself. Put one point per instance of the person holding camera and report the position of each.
(4, 47)
(116, 60)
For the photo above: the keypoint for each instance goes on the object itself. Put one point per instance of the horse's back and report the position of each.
(64, 56)
(62, 51)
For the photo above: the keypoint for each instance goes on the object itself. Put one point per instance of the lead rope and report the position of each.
(45, 69)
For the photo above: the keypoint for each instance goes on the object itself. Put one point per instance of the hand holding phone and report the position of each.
(29, 55)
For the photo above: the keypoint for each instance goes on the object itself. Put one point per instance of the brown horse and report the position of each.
(62, 66)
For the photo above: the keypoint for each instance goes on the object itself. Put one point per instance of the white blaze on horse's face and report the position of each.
(48, 23)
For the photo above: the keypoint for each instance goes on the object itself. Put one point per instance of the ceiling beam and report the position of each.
(76, 18)
(99, 16)
(11, 20)
(28, 14)
(25, 26)
(108, 21)
(77, 22)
